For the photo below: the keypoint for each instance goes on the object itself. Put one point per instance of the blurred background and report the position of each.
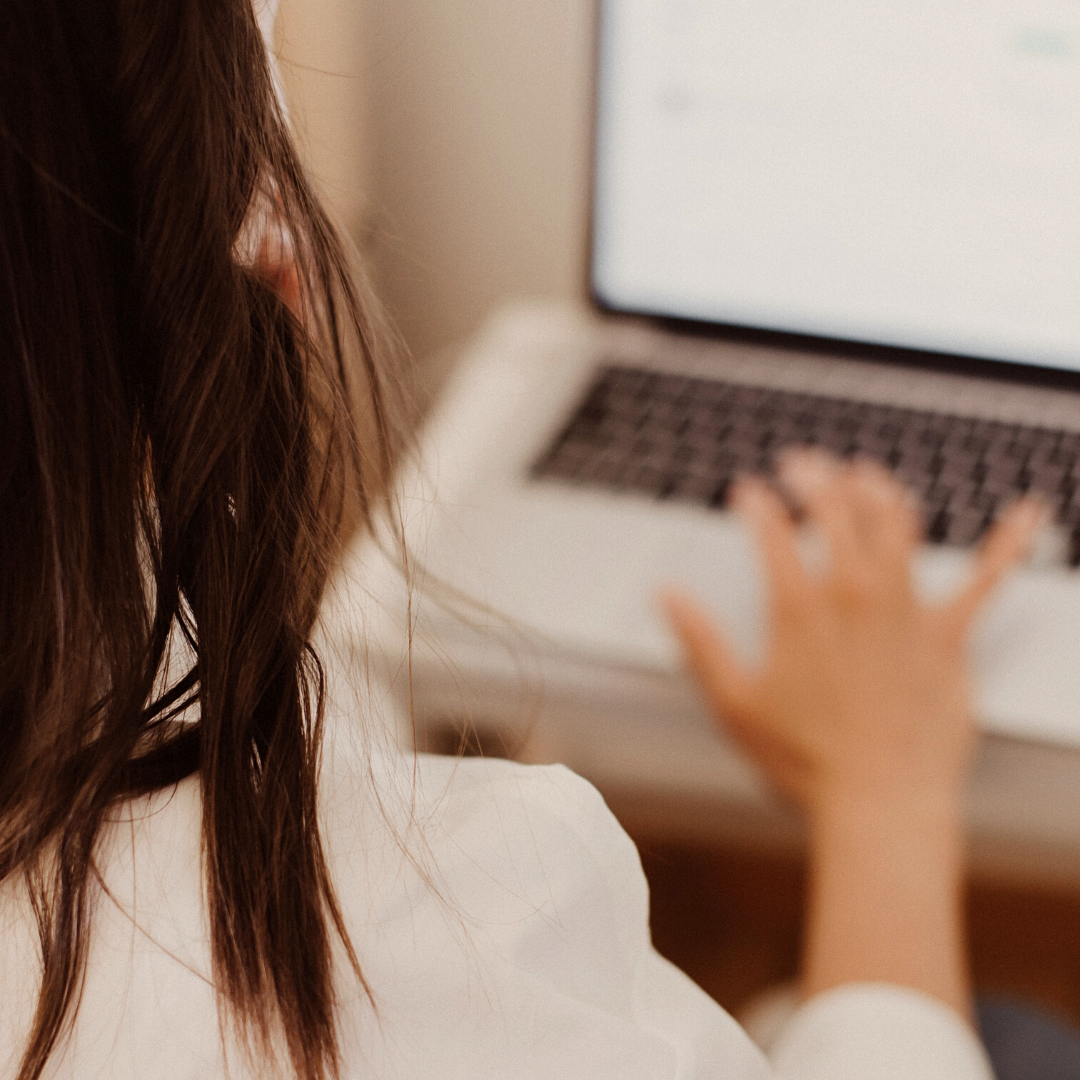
(452, 141)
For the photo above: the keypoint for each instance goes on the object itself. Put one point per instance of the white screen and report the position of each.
(905, 172)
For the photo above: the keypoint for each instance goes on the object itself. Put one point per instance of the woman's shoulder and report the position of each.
(503, 927)
(547, 825)
(546, 801)
(482, 826)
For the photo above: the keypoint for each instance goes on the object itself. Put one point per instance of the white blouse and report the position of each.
(500, 916)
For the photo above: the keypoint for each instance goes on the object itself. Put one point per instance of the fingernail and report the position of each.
(675, 604)
(807, 472)
(668, 595)
(747, 493)
(1031, 512)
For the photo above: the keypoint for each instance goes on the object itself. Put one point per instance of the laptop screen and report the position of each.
(903, 172)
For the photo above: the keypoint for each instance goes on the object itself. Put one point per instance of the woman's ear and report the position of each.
(275, 263)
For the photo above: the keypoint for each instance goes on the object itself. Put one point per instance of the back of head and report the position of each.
(174, 453)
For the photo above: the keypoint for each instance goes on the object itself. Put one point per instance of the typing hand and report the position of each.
(865, 688)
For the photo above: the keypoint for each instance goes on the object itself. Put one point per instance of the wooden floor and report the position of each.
(732, 922)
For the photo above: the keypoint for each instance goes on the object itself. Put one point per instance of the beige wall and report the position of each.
(452, 135)
(321, 57)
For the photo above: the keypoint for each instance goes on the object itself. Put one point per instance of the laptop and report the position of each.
(847, 225)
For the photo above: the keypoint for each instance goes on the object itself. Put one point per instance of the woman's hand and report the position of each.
(862, 714)
(865, 688)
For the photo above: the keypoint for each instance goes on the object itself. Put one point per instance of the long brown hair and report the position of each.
(176, 449)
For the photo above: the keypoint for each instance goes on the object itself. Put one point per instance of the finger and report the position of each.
(775, 534)
(823, 486)
(888, 516)
(709, 656)
(1008, 542)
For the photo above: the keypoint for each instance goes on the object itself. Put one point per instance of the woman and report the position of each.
(187, 888)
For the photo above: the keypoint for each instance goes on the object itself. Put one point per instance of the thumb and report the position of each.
(721, 676)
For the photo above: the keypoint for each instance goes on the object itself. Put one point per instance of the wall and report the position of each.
(323, 63)
(453, 137)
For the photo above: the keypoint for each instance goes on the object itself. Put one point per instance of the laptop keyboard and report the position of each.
(682, 438)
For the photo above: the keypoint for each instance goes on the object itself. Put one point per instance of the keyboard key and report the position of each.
(684, 438)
